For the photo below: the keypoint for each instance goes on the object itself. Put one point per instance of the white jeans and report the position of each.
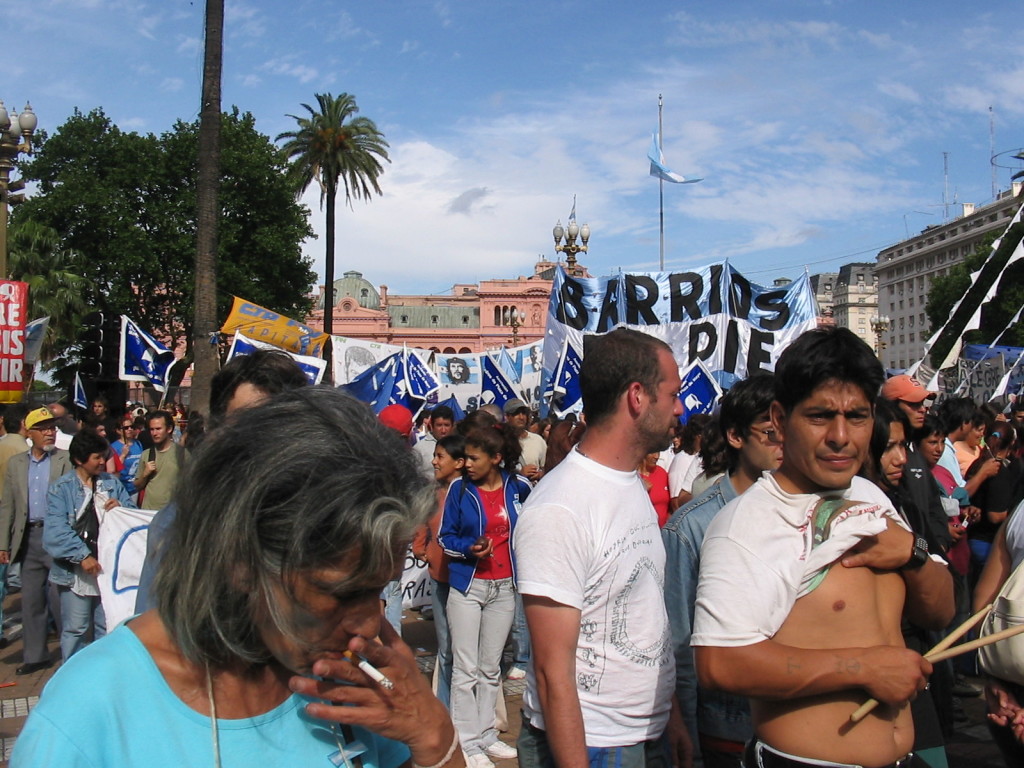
(479, 622)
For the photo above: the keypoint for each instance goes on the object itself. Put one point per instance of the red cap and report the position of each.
(906, 388)
(398, 417)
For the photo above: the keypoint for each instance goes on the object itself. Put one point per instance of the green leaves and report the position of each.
(123, 207)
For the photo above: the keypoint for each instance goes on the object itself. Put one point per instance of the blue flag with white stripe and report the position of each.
(420, 381)
(380, 385)
(79, 398)
(143, 358)
(566, 381)
(495, 386)
(699, 391)
(313, 367)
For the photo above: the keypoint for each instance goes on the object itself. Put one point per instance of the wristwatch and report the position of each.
(918, 555)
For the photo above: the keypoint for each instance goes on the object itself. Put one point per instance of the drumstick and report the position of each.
(862, 711)
(979, 643)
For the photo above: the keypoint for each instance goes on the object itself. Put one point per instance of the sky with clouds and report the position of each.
(818, 127)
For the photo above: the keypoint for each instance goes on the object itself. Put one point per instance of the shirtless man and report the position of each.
(804, 579)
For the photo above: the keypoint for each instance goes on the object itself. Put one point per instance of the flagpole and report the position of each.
(661, 198)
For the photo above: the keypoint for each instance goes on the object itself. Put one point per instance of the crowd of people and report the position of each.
(703, 589)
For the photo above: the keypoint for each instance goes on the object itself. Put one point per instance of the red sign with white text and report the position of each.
(13, 305)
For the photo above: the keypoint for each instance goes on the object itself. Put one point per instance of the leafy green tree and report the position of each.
(124, 206)
(337, 150)
(996, 315)
(54, 289)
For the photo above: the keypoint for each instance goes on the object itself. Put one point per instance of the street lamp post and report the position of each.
(565, 242)
(13, 128)
(516, 322)
(879, 325)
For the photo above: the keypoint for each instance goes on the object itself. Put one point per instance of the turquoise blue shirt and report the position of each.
(110, 706)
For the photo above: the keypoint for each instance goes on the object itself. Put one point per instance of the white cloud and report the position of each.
(190, 46)
(900, 91)
(288, 67)
(244, 20)
(171, 84)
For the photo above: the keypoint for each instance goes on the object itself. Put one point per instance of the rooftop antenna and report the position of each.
(945, 187)
(992, 148)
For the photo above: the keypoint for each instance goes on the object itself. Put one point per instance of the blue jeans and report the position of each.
(479, 621)
(439, 601)
(77, 613)
(535, 752)
(520, 636)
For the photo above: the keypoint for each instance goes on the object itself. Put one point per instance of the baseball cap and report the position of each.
(398, 418)
(904, 387)
(514, 405)
(39, 418)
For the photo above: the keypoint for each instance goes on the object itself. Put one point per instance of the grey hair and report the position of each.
(306, 481)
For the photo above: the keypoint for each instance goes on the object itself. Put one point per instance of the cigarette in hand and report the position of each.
(371, 670)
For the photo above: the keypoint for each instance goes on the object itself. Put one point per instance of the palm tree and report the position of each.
(54, 288)
(336, 149)
(204, 325)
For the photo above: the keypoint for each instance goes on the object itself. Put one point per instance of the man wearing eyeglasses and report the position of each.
(22, 511)
(719, 723)
(130, 450)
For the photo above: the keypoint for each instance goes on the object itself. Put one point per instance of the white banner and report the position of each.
(712, 314)
(122, 551)
(353, 356)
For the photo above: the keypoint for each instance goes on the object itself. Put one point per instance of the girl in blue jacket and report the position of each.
(480, 513)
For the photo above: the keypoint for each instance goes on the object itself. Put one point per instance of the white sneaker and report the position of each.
(499, 750)
(479, 760)
(516, 673)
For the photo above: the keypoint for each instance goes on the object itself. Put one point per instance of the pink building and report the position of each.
(470, 318)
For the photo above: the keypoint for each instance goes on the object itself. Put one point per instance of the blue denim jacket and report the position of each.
(59, 538)
(720, 715)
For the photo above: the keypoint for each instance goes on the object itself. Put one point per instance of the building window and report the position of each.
(497, 315)
(433, 319)
(404, 319)
(364, 293)
(465, 319)
(911, 338)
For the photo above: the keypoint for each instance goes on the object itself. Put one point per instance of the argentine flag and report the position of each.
(658, 169)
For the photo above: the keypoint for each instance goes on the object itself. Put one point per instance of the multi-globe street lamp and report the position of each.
(565, 242)
(879, 325)
(15, 139)
(516, 322)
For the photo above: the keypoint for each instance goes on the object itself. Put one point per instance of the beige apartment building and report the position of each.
(848, 298)
(905, 272)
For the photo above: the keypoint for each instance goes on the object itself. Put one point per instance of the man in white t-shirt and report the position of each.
(590, 566)
(805, 578)
(442, 421)
(531, 461)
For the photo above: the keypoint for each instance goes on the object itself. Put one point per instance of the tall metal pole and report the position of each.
(661, 199)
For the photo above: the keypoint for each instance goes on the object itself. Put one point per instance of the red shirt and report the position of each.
(659, 493)
(499, 564)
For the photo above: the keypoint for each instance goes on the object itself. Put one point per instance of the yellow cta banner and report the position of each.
(261, 324)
